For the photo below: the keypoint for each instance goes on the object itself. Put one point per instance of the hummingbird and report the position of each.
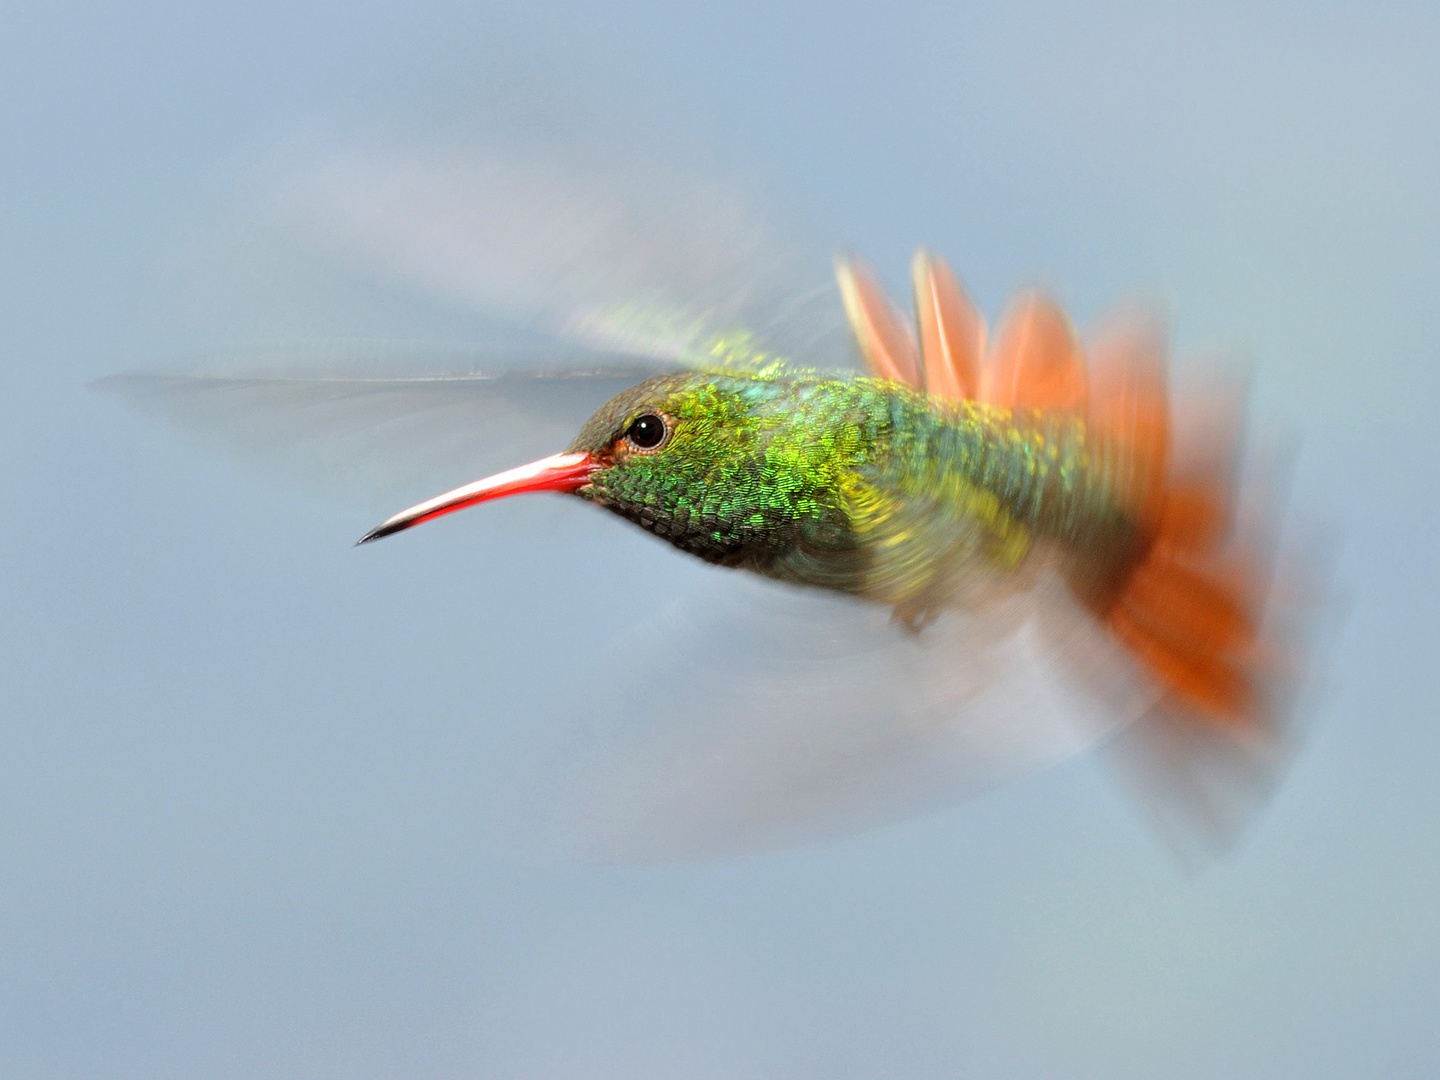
(977, 555)
(944, 479)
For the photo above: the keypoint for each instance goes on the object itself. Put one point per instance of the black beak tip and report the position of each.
(378, 533)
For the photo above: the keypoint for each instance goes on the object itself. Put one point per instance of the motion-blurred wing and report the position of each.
(623, 265)
(615, 250)
(378, 437)
(763, 717)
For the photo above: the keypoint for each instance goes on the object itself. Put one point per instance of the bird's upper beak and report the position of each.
(559, 472)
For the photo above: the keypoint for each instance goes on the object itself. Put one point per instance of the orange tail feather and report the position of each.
(885, 338)
(1036, 363)
(1192, 618)
(952, 331)
(1198, 612)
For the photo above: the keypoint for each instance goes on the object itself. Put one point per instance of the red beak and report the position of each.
(560, 472)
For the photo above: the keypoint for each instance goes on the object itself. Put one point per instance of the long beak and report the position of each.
(560, 472)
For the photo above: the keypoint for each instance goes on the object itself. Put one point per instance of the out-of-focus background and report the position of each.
(240, 831)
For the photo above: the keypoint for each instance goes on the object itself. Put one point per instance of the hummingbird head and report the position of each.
(737, 469)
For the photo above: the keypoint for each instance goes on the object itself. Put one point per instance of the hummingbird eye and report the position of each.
(647, 432)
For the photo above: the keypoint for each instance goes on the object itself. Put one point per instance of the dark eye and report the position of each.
(646, 432)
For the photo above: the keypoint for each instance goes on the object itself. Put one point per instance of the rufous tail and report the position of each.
(1190, 607)
(1197, 606)
(1207, 608)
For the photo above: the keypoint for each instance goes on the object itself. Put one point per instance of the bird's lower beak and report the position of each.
(560, 472)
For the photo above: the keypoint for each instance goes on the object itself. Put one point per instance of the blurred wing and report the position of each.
(377, 437)
(615, 250)
(638, 266)
(763, 717)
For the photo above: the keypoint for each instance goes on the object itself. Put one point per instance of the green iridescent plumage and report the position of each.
(859, 485)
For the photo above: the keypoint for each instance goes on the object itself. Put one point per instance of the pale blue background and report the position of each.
(237, 816)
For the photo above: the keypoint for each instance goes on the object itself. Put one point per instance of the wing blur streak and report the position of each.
(617, 252)
(376, 437)
(763, 716)
(611, 267)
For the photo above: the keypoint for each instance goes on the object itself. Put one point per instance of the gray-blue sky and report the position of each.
(239, 828)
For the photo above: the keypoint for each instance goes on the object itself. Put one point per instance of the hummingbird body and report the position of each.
(945, 483)
(860, 485)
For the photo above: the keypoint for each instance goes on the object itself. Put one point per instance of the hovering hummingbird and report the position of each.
(964, 501)
(939, 481)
